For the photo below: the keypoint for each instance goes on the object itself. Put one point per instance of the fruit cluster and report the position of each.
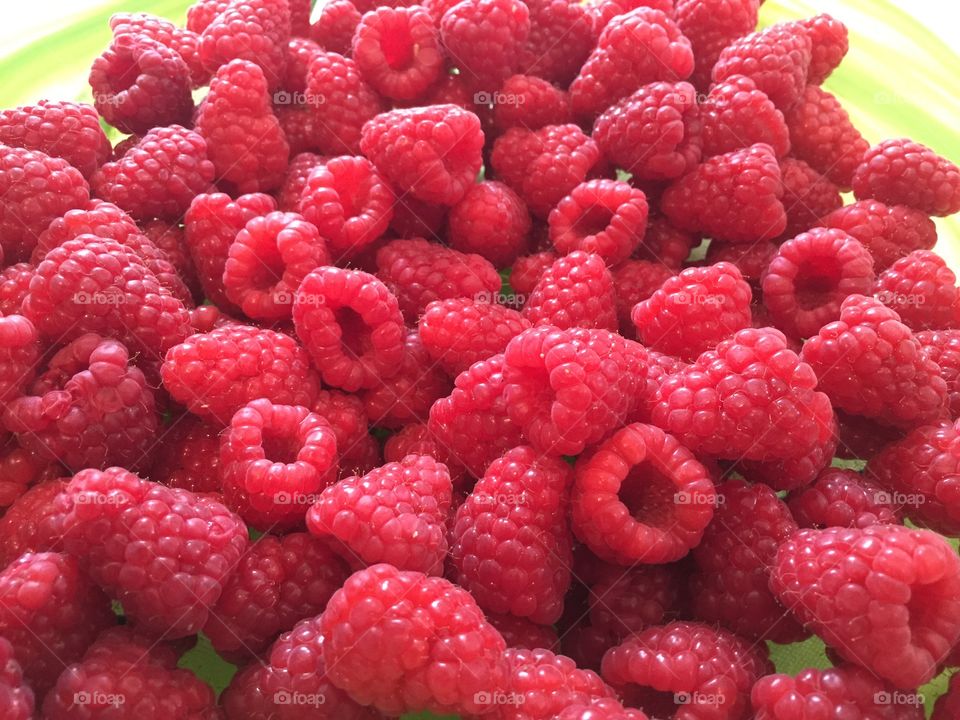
(479, 357)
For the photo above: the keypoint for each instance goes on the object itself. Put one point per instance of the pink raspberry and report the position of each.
(605, 10)
(842, 498)
(300, 52)
(605, 217)
(397, 49)
(348, 103)
(14, 285)
(485, 39)
(521, 633)
(628, 601)
(357, 450)
(923, 291)
(492, 221)
(335, 26)
(203, 12)
(795, 472)
(27, 525)
(830, 42)
(417, 439)
(170, 239)
(807, 196)
(635, 281)
(531, 102)
(20, 352)
(527, 271)
(460, 656)
(575, 291)
(18, 700)
(216, 373)
(909, 579)
(255, 31)
(298, 172)
(416, 218)
(693, 311)
(943, 348)
(184, 42)
(712, 25)
(666, 244)
(189, 456)
(299, 127)
(561, 37)
(637, 48)
(811, 275)
(736, 114)
(752, 398)
(903, 172)
(601, 709)
(750, 260)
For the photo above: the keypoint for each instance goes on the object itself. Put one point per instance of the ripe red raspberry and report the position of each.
(244, 139)
(14, 285)
(733, 198)
(889, 233)
(459, 658)
(807, 196)
(627, 515)
(634, 281)
(300, 53)
(751, 260)
(36, 190)
(811, 275)
(943, 348)
(51, 613)
(653, 134)
(600, 709)
(752, 398)
(843, 498)
(903, 172)
(730, 583)
(415, 218)
(822, 135)
(357, 450)
(187, 546)
(211, 224)
(736, 114)
(712, 25)
(561, 37)
(637, 48)
(89, 284)
(273, 460)
(575, 291)
(278, 582)
(796, 472)
(216, 373)
(90, 408)
(350, 203)
(203, 12)
(531, 102)
(27, 525)
(351, 326)
(432, 153)
(298, 171)
(299, 126)
(948, 704)
(139, 84)
(693, 311)
(335, 26)
(830, 43)
(666, 244)
(189, 456)
(846, 689)
(170, 239)
(923, 291)
(67, 130)
(124, 671)
(521, 633)
(159, 177)
(348, 102)
(417, 439)
(606, 217)
(20, 469)
(256, 31)
(20, 352)
(527, 271)
(870, 364)
(472, 423)
(397, 49)
(628, 601)
(686, 669)
(185, 43)
(885, 597)
(485, 39)
(777, 59)
(492, 221)
(604, 11)
(18, 700)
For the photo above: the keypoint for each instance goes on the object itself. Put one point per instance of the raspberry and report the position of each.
(485, 39)
(298, 171)
(278, 582)
(811, 275)
(903, 172)
(889, 233)
(417, 439)
(807, 196)
(527, 271)
(750, 260)
(712, 25)
(335, 26)
(842, 498)
(472, 423)
(90, 408)
(752, 398)
(575, 291)
(870, 364)
(460, 656)
(830, 43)
(561, 37)
(216, 373)
(67, 130)
(889, 604)
(600, 709)
(605, 10)
(605, 217)
(398, 51)
(211, 225)
(36, 190)
(654, 134)
(710, 669)
(244, 138)
(637, 48)
(349, 201)
(17, 697)
(348, 103)
(299, 127)
(20, 351)
(406, 396)
(14, 285)
(666, 244)
(521, 633)
(693, 311)
(204, 12)
(51, 613)
(943, 348)
(351, 326)
(300, 17)
(625, 521)
(629, 601)
(922, 289)
(267, 262)
(159, 177)
(348, 418)
(531, 102)
(777, 59)
(89, 284)
(27, 525)
(255, 31)
(948, 704)
(492, 221)
(139, 84)
(170, 239)
(169, 584)
(185, 43)
(796, 472)
(736, 114)
(432, 153)
(122, 667)
(822, 135)
(846, 689)
(300, 53)
(634, 281)
(414, 218)
(189, 456)
(734, 198)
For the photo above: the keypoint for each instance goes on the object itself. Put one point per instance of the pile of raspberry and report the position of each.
(506, 359)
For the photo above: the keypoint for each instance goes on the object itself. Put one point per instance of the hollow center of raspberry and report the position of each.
(592, 221)
(123, 73)
(649, 495)
(280, 448)
(816, 284)
(267, 270)
(398, 49)
(355, 334)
